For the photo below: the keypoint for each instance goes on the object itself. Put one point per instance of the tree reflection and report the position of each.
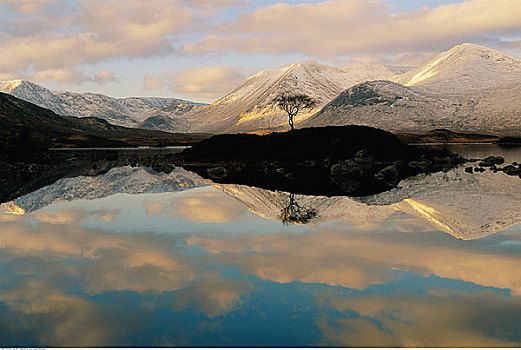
(294, 213)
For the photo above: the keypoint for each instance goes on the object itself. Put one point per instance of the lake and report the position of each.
(134, 257)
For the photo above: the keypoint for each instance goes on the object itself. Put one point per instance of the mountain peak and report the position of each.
(287, 68)
(469, 46)
(10, 85)
(251, 106)
(306, 63)
(468, 49)
(465, 67)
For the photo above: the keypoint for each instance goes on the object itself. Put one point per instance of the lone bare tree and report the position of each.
(292, 104)
(294, 213)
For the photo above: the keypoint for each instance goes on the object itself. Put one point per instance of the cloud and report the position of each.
(140, 263)
(208, 208)
(72, 76)
(207, 81)
(211, 6)
(217, 4)
(356, 27)
(203, 207)
(152, 82)
(29, 6)
(512, 45)
(72, 215)
(65, 75)
(60, 37)
(129, 29)
(155, 208)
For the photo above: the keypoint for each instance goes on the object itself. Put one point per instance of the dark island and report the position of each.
(344, 160)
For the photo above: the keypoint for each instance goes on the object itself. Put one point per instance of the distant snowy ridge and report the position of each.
(129, 112)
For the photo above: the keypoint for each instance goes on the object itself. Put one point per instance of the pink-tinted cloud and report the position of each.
(151, 82)
(356, 27)
(207, 81)
(358, 260)
(72, 76)
(48, 38)
(29, 6)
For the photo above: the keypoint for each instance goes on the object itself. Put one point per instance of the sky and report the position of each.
(202, 49)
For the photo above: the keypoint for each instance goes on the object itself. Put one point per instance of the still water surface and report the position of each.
(138, 258)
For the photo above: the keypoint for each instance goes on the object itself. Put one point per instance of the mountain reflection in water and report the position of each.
(139, 258)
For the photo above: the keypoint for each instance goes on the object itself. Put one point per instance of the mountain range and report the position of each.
(468, 88)
(26, 127)
(252, 106)
(135, 112)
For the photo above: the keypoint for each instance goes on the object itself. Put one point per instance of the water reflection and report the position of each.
(466, 206)
(118, 180)
(138, 258)
(337, 284)
(438, 318)
(294, 213)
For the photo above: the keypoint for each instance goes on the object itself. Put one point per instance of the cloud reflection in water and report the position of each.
(205, 270)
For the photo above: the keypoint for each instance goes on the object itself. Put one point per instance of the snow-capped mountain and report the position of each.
(465, 68)
(251, 107)
(129, 112)
(117, 180)
(466, 206)
(468, 89)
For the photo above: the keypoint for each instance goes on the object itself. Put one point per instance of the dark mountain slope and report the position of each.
(24, 125)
